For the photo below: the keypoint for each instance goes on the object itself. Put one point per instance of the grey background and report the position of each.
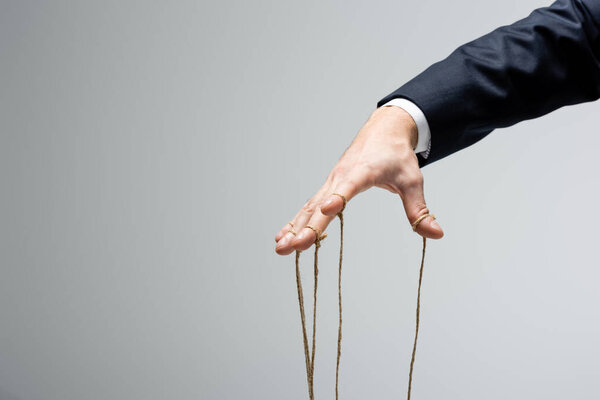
(149, 152)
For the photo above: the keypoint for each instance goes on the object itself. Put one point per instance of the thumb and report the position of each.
(415, 207)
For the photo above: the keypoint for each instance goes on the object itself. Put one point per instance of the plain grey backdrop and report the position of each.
(149, 152)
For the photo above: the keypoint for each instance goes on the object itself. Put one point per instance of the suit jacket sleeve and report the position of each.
(521, 71)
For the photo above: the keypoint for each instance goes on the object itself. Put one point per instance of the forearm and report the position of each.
(548, 60)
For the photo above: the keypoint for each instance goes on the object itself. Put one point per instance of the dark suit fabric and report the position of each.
(517, 72)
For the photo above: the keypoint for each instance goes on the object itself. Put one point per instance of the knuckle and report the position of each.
(421, 208)
(417, 210)
(414, 181)
(365, 174)
(337, 172)
(353, 182)
(309, 207)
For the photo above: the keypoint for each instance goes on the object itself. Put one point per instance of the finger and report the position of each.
(413, 199)
(334, 203)
(284, 245)
(306, 237)
(286, 228)
(283, 239)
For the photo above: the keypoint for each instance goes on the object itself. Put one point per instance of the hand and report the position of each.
(380, 155)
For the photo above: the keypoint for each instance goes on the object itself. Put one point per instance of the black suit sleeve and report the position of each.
(521, 71)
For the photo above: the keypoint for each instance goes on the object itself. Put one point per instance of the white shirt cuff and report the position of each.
(423, 133)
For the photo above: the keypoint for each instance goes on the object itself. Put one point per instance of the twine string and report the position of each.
(303, 319)
(340, 216)
(414, 350)
(318, 239)
(309, 354)
(418, 312)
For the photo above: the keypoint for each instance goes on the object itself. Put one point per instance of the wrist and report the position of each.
(399, 121)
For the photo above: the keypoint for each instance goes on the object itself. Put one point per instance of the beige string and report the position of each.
(414, 351)
(339, 341)
(303, 319)
(418, 221)
(310, 358)
(318, 238)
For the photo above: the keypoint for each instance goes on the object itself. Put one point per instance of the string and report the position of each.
(303, 319)
(340, 216)
(310, 357)
(418, 312)
(339, 341)
(414, 351)
(314, 327)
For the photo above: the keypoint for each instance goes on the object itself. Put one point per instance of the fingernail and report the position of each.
(434, 224)
(328, 202)
(283, 241)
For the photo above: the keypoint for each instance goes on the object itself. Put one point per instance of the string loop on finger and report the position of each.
(421, 218)
(343, 199)
(318, 235)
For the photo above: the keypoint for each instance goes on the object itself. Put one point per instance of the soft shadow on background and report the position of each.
(149, 152)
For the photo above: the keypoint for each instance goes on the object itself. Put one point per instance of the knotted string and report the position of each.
(310, 358)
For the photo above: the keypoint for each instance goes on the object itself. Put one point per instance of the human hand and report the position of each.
(380, 155)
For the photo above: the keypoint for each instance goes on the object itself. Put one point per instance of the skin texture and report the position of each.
(380, 155)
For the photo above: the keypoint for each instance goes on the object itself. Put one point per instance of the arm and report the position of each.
(548, 60)
(521, 71)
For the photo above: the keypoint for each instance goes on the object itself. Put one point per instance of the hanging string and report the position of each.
(340, 215)
(318, 238)
(310, 356)
(303, 319)
(414, 351)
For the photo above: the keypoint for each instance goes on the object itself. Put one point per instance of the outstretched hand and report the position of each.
(380, 155)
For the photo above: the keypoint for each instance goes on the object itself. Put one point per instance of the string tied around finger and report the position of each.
(318, 235)
(421, 218)
(310, 353)
(418, 311)
(344, 200)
